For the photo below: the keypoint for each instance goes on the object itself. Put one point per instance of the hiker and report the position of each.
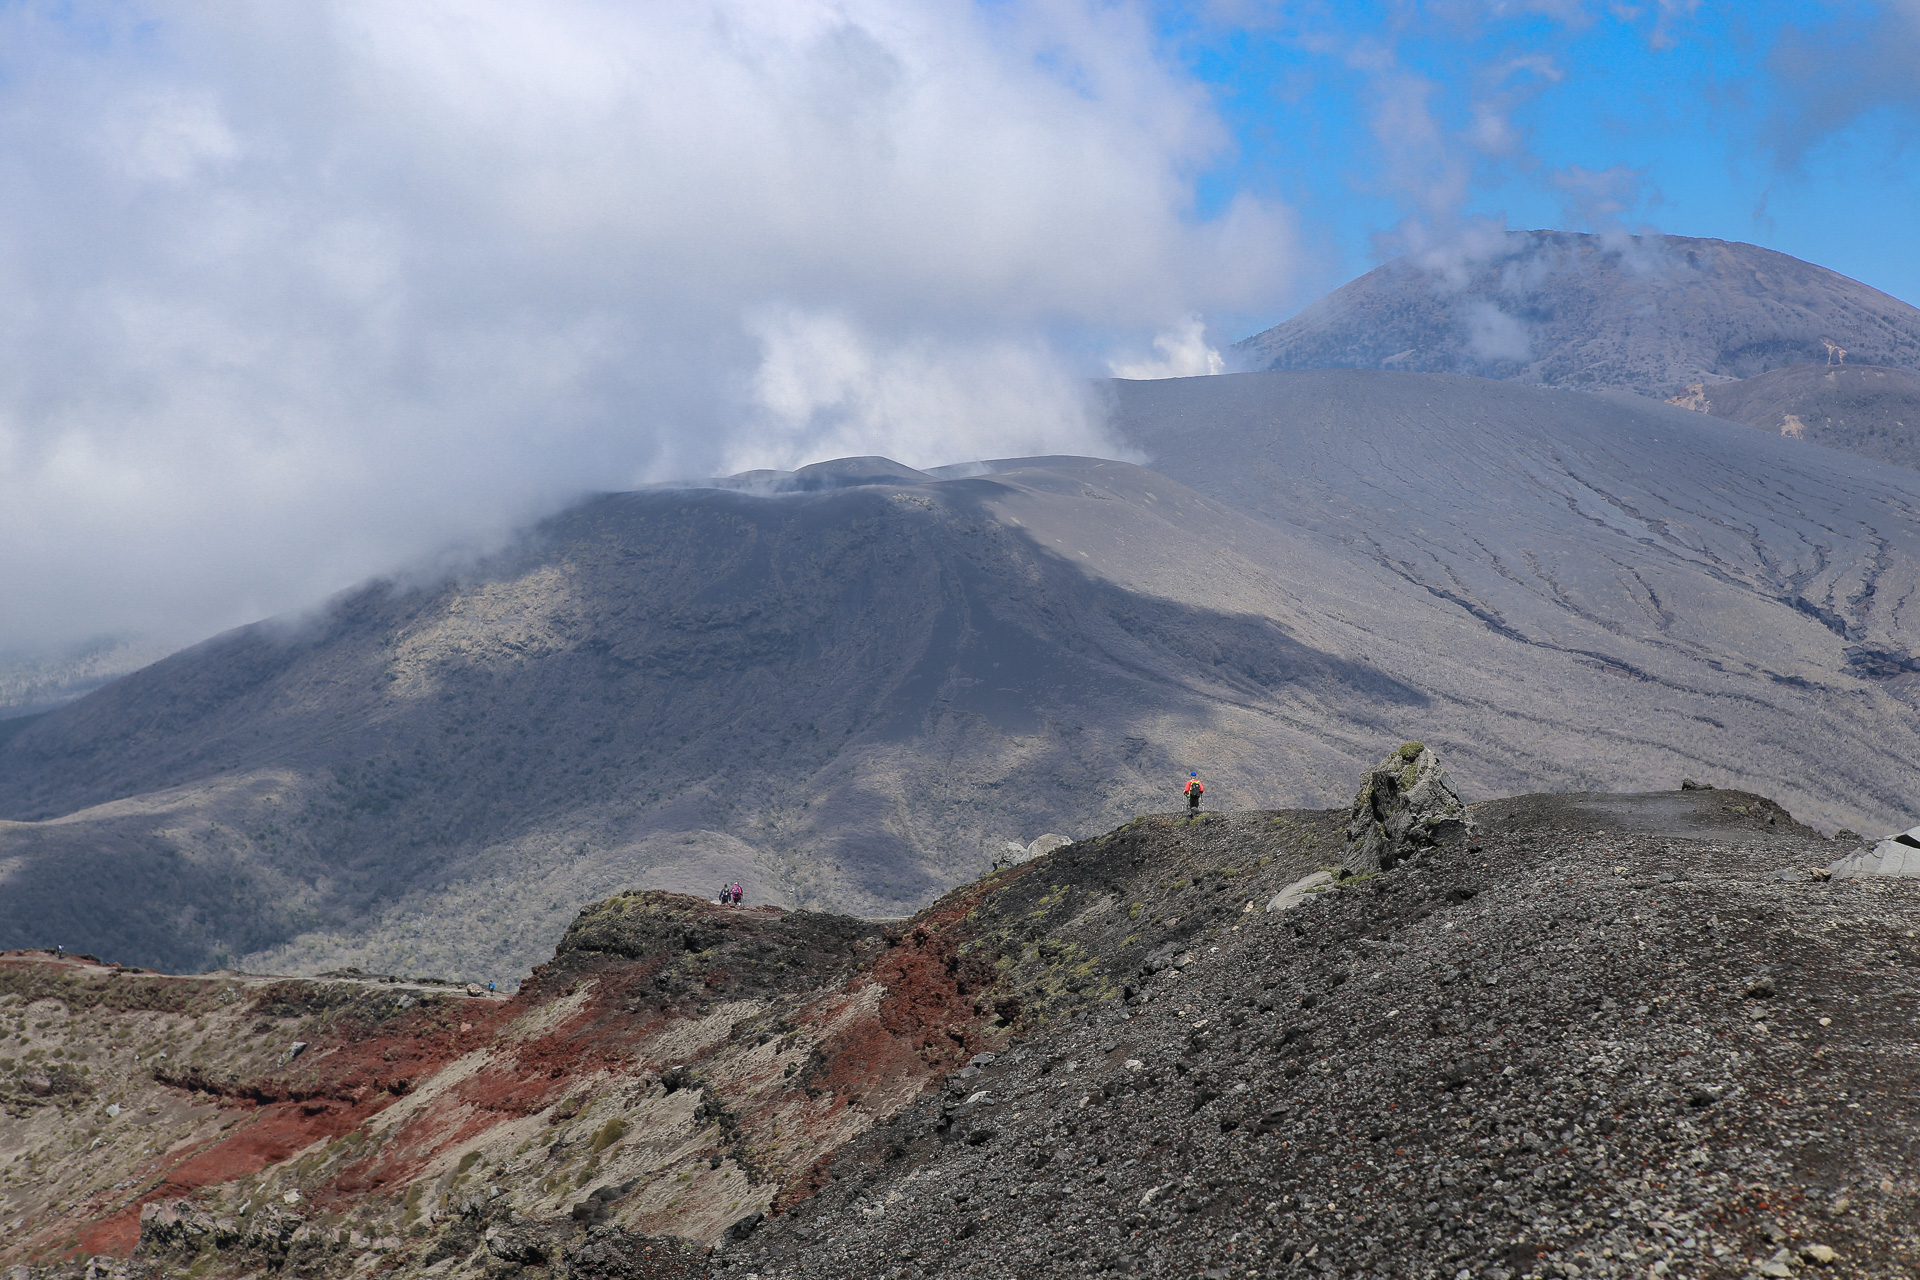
(1194, 790)
(726, 894)
(736, 893)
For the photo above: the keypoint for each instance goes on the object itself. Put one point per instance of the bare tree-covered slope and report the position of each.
(1871, 411)
(1649, 314)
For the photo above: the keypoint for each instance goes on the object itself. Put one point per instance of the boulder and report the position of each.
(181, 1224)
(1013, 853)
(1299, 891)
(273, 1227)
(519, 1243)
(1897, 855)
(613, 1253)
(1405, 804)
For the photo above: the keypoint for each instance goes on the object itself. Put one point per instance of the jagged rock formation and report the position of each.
(1648, 314)
(1406, 805)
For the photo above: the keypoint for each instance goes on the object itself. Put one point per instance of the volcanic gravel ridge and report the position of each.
(1619, 1035)
(1616, 1035)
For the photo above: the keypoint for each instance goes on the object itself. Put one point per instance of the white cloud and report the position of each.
(1595, 199)
(1183, 352)
(1492, 334)
(825, 388)
(291, 293)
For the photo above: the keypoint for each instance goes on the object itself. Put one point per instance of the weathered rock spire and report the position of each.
(1406, 803)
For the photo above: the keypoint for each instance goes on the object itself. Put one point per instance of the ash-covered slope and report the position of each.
(1648, 314)
(1872, 412)
(1627, 578)
(1619, 1031)
(850, 696)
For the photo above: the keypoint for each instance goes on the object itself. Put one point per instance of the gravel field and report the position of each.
(1618, 1036)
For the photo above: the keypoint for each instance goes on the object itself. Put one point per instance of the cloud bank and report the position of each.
(292, 294)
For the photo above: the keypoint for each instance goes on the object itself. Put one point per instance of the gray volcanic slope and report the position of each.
(1643, 313)
(1628, 579)
(1870, 411)
(848, 696)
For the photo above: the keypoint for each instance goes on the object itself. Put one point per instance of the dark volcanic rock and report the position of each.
(1406, 804)
(608, 1253)
(719, 951)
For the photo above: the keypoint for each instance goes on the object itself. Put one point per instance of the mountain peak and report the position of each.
(1648, 314)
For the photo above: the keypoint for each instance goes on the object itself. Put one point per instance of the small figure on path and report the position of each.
(737, 893)
(1194, 790)
(726, 893)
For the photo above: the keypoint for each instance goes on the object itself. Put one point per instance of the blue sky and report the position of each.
(1787, 125)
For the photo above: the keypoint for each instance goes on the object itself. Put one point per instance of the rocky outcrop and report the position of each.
(1405, 804)
(180, 1225)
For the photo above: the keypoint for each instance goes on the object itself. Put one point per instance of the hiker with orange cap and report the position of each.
(1194, 790)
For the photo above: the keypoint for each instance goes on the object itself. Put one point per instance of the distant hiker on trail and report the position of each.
(726, 894)
(736, 893)
(1194, 790)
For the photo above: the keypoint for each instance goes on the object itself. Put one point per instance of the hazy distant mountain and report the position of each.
(1637, 313)
(852, 695)
(1870, 411)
